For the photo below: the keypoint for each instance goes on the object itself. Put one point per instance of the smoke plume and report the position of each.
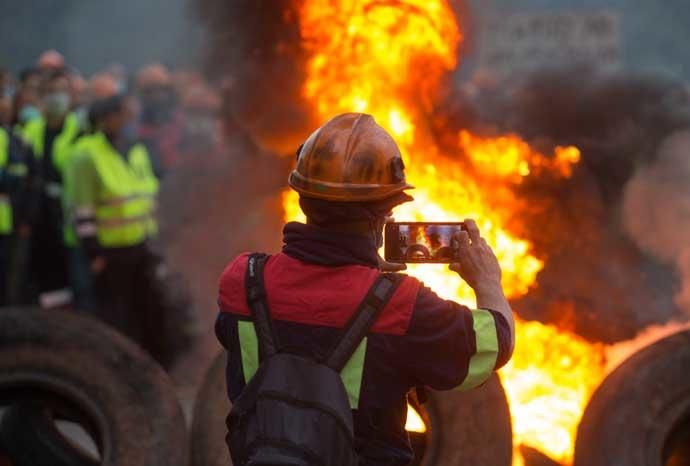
(656, 209)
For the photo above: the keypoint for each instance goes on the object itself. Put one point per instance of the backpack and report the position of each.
(295, 410)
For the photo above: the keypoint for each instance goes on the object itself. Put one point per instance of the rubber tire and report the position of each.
(28, 431)
(468, 428)
(129, 399)
(208, 447)
(634, 410)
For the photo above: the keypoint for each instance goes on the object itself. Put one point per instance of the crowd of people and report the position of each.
(80, 165)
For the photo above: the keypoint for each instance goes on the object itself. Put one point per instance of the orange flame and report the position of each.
(387, 58)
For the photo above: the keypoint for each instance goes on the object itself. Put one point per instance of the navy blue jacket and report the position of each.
(313, 288)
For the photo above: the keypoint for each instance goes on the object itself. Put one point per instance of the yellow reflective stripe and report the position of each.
(483, 362)
(17, 169)
(118, 222)
(351, 374)
(5, 215)
(4, 147)
(249, 347)
(122, 200)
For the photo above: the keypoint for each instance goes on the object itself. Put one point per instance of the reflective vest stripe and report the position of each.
(483, 362)
(118, 222)
(116, 201)
(125, 207)
(5, 204)
(5, 215)
(249, 345)
(351, 374)
(18, 169)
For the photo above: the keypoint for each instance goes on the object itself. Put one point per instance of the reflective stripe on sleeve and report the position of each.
(483, 362)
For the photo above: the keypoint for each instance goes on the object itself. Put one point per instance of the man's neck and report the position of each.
(353, 228)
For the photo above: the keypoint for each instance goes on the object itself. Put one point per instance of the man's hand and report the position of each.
(390, 266)
(478, 266)
(98, 265)
(476, 261)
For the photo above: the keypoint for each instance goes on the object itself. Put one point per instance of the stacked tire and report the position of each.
(62, 366)
(640, 415)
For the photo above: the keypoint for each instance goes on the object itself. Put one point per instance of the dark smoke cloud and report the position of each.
(254, 46)
(597, 279)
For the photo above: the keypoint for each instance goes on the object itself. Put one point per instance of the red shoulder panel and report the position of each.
(317, 295)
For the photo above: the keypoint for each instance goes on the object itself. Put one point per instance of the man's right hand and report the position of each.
(98, 265)
(478, 266)
(475, 262)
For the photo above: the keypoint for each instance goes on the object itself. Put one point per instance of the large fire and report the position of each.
(387, 58)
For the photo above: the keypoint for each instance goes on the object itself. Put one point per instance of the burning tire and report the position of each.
(640, 415)
(462, 428)
(79, 370)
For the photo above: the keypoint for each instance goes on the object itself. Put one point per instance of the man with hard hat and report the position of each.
(350, 176)
(111, 199)
(51, 138)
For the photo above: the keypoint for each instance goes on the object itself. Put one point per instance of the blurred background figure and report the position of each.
(111, 192)
(161, 124)
(201, 140)
(50, 60)
(51, 138)
(15, 163)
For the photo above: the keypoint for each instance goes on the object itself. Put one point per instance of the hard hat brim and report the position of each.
(344, 192)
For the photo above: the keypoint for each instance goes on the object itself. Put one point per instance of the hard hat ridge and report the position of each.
(350, 158)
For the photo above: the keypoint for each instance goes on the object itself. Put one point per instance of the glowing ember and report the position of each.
(387, 58)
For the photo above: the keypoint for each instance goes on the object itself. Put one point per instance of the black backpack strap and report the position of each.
(256, 299)
(368, 311)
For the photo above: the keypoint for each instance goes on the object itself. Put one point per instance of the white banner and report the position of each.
(529, 41)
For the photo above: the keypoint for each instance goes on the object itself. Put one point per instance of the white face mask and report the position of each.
(56, 103)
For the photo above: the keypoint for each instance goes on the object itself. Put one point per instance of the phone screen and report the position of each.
(421, 242)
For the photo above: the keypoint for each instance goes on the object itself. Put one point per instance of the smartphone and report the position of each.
(421, 242)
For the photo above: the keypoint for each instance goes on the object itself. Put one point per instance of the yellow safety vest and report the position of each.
(125, 208)
(5, 204)
(34, 135)
(80, 146)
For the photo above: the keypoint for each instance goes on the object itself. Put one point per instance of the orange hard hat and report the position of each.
(350, 158)
(103, 86)
(153, 75)
(51, 59)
